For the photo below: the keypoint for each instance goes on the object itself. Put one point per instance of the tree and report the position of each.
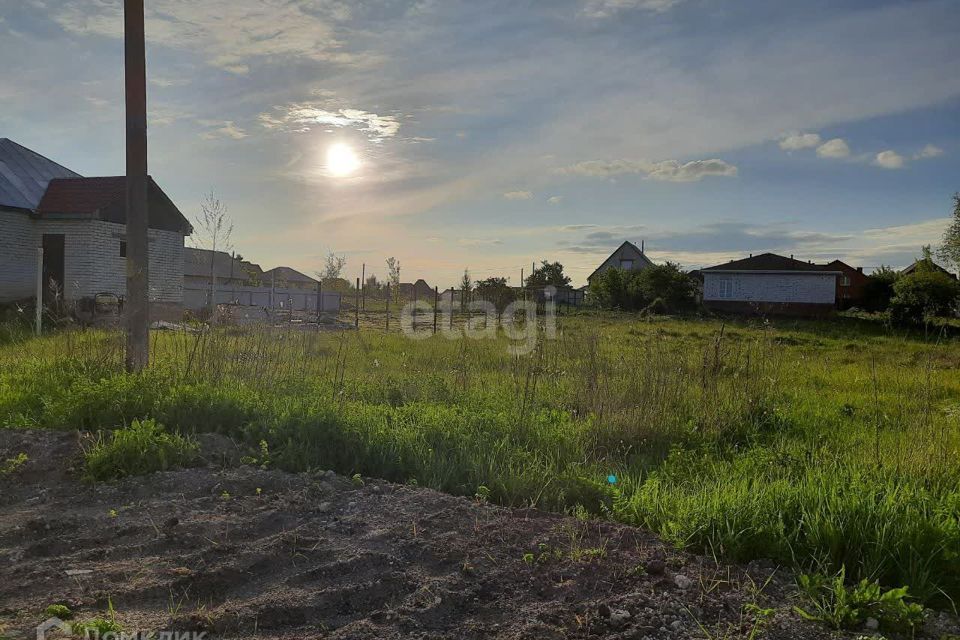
(548, 274)
(667, 283)
(332, 267)
(609, 290)
(495, 291)
(878, 291)
(393, 274)
(925, 293)
(213, 231)
(466, 284)
(949, 251)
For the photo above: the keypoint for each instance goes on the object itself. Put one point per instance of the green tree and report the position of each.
(667, 283)
(878, 291)
(495, 291)
(611, 289)
(548, 274)
(925, 293)
(949, 250)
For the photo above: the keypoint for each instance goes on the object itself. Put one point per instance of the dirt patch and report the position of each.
(245, 552)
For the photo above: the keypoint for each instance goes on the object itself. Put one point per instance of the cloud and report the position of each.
(929, 151)
(889, 159)
(607, 8)
(518, 195)
(225, 129)
(799, 141)
(835, 148)
(479, 242)
(664, 170)
(555, 199)
(229, 34)
(299, 117)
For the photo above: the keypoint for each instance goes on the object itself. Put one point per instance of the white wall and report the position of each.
(92, 260)
(772, 287)
(18, 256)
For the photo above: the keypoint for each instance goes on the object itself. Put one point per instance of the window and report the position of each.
(123, 249)
(844, 281)
(626, 264)
(725, 288)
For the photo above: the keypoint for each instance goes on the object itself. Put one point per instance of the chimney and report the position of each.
(791, 256)
(641, 245)
(751, 255)
(859, 269)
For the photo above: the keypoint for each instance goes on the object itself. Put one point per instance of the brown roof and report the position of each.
(105, 198)
(287, 274)
(768, 262)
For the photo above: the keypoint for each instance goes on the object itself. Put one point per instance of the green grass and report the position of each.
(143, 447)
(822, 445)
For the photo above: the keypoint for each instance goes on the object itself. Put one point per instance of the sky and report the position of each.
(489, 134)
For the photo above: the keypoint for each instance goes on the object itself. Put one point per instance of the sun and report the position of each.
(341, 160)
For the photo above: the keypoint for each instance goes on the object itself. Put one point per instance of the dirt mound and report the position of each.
(254, 553)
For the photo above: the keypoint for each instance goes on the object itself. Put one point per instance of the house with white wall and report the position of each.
(769, 283)
(81, 225)
(627, 257)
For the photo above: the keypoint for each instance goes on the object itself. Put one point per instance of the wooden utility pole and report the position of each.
(357, 305)
(436, 307)
(135, 76)
(363, 283)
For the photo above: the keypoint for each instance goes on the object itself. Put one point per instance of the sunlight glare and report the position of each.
(341, 160)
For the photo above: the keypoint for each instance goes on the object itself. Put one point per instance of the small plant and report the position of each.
(263, 461)
(58, 611)
(842, 607)
(482, 495)
(143, 447)
(11, 465)
(99, 627)
(529, 558)
(357, 480)
(761, 618)
(225, 495)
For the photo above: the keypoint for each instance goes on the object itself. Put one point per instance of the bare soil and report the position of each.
(237, 551)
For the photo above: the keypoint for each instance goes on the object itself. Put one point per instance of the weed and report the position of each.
(143, 447)
(842, 607)
(58, 611)
(11, 465)
(100, 626)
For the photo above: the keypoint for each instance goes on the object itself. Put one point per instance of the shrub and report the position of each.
(143, 447)
(843, 607)
(663, 286)
(879, 289)
(923, 293)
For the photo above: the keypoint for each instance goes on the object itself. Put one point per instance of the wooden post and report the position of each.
(436, 307)
(452, 293)
(363, 283)
(357, 305)
(388, 307)
(414, 306)
(319, 300)
(135, 91)
(38, 312)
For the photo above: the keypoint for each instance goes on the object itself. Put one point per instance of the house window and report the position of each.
(626, 264)
(844, 281)
(123, 249)
(725, 288)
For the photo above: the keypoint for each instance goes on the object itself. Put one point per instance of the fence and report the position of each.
(197, 298)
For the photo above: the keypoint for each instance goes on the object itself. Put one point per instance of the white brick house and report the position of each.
(80, 224)
(768, 283)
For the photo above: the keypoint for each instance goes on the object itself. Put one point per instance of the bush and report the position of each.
(923, 293)
(879, 289)
(143, 447)
(664, 284)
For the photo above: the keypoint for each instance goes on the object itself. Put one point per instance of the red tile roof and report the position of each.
(105, 197)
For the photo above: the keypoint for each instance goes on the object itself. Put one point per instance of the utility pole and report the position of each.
(135, 76)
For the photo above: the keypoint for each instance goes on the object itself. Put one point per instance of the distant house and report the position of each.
(769, 283)
(289, 278)
(913, 267)
(851, 284)
(627, 257)
(419, 290)
(81, 225)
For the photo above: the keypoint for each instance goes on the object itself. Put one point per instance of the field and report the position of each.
(819, 445)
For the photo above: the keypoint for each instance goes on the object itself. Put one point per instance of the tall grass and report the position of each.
(818, 445)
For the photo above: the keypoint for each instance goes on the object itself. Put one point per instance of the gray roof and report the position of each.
(24, 175)
(196, 262)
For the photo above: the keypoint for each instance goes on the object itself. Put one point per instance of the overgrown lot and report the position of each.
(821, 445)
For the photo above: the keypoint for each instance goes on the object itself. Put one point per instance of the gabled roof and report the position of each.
(196, 262)
(287, 274)
(24, 175)
(632, 248)
(913, 267)
(769, 262)
(105, 198)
